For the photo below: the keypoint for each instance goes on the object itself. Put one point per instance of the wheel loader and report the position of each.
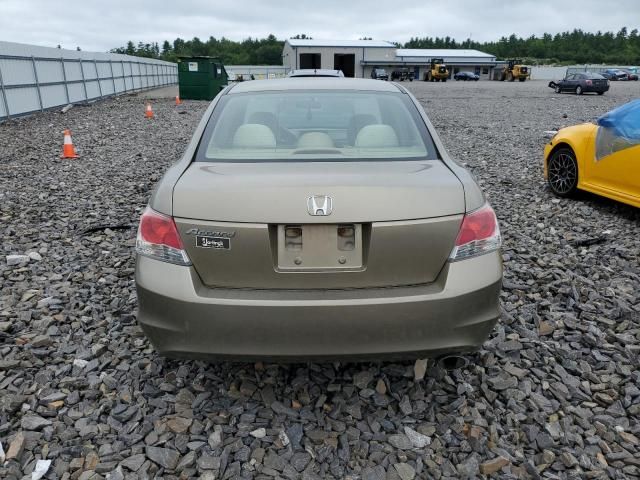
(438, 71)
(515, 70)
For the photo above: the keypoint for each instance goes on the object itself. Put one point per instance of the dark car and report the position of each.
(402, 74)
(580, 83)
(615, 74)
(466, 76)
(379, 74)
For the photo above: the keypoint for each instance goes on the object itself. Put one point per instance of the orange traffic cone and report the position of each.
(178, 101)
(68, 150)
(148, 112)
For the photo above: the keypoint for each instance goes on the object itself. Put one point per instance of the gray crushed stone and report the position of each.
(554, 393)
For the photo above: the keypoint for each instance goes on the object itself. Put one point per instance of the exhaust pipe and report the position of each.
(452, 362)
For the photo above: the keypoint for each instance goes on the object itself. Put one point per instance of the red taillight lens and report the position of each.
(158, 238)
(588, 82)
(159, 229)
(479, 234)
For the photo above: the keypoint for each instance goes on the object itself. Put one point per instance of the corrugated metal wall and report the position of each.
(260, 72)
(34, 78)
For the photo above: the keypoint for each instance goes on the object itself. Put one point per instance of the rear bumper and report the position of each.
(184, 318)
(594, 88)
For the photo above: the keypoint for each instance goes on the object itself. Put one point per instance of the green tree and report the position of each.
(576, 46)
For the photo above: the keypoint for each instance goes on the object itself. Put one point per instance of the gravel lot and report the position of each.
(555, 393)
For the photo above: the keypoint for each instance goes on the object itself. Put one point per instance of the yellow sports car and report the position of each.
(602, 158)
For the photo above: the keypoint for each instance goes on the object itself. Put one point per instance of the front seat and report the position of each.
(377, 136)
(269, 119)
(356, 123)
(254, 135)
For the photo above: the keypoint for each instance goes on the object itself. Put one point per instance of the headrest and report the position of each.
(315, 140)
(376, 136)
(254, 135)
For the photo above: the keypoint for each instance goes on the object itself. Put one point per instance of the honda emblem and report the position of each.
(319, 205)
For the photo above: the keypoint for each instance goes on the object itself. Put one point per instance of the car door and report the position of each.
(575, 81)
(567, 82)
(617, 173)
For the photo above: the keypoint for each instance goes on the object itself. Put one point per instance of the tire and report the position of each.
(562, 172)
(522, 79)
(579, 90)
(600, 93)
(444, 79)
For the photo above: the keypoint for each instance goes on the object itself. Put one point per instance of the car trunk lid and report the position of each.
(247, 225)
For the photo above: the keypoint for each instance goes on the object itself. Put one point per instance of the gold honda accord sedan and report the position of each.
(317, 218)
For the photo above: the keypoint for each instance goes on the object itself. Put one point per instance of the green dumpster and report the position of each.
(200, 78)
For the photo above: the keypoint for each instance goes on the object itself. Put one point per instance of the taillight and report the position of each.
(158, 238)
(588, 82)
(479, 234)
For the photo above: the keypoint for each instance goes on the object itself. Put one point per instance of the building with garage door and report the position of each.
(346, 55)
(357, 58)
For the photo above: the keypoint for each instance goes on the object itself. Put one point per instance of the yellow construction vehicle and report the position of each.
(438, 71)
(515, 70)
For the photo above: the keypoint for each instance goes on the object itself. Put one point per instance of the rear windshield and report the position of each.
(329, 125)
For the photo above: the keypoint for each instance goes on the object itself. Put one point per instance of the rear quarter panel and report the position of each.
(473, 195)
(162, 197)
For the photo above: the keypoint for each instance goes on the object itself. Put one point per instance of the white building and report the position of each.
(350, 56)
(357, 58)
(458, 60)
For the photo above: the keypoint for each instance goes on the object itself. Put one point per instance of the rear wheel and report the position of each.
(562, 172)
(578, 90)
(522, 79)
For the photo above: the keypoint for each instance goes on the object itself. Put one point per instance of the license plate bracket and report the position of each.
(319, 247)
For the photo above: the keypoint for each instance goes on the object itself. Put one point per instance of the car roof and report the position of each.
(319, 83)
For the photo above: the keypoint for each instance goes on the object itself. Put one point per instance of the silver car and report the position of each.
(317, 218)
(315, 73)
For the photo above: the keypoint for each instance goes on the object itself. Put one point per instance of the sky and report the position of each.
(101, 25)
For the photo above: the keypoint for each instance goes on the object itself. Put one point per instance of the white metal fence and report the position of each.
(259, 72)
(557, 73)
(34, 78)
